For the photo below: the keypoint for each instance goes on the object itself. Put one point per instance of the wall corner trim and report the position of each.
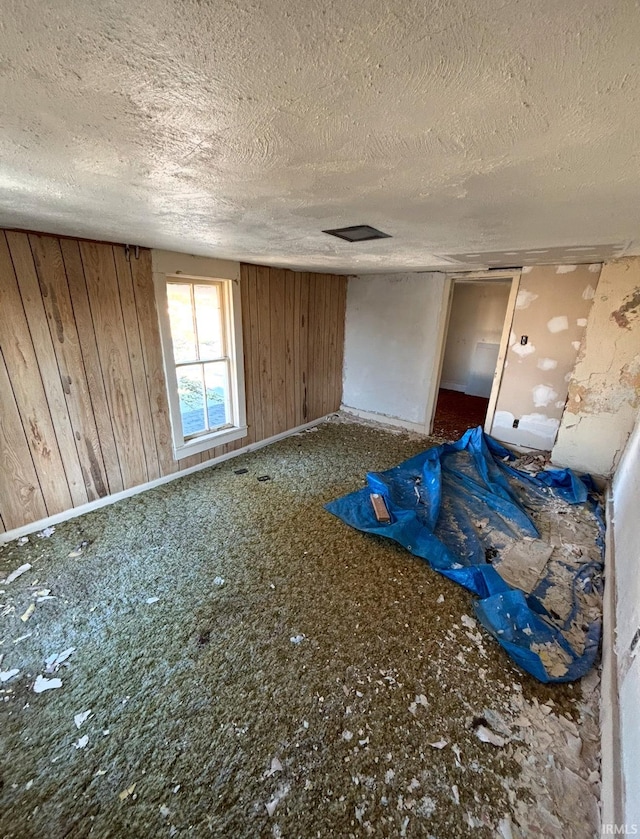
(611, 790)
(74, 512)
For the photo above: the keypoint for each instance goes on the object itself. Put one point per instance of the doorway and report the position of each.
(474, 346)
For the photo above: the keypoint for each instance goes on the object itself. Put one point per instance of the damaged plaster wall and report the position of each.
(626, 530)
(392, 342)
(604, 391)
(548, 327)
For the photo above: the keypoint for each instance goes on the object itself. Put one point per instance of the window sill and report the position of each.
(209, 441)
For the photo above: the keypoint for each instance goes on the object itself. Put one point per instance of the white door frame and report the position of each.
(443, 329)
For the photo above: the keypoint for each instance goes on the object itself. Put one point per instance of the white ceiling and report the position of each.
(243, 128)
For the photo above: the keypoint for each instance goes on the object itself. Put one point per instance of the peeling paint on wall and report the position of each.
(628, 311)
(604, 391)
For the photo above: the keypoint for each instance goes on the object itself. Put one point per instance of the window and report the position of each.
(200, 326)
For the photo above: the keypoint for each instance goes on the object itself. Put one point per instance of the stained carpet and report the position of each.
(251, 667)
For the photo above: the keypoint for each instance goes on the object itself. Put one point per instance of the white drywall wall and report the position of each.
(392, 344)
(604, 390)
(477, 316)
(626, 540)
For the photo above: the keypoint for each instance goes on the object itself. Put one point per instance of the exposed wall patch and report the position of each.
(525, 298)
(558, 324)
(543, 395)
(523, 350)
(628, 311)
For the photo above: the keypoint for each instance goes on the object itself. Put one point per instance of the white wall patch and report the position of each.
(565, 269)
(558, 324)
(543, 395)
(595, 267)
(581, 322)
(527, 269)
(523, 352)
(525, 298)
(589, 293)
(547, 364)
(503, 419)
(536, 431)
(575, 345)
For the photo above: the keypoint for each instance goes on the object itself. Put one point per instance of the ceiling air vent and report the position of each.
(358, 233)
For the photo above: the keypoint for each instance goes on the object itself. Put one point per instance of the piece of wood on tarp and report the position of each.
(380, 508)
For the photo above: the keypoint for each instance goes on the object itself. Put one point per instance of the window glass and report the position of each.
(209, 321)
(191, 396)
(216, 376)
(182, 322)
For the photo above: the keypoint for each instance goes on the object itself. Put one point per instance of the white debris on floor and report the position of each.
(81, 717)
(55, 661)
(41, 684)
(558, 759)
(17, 573)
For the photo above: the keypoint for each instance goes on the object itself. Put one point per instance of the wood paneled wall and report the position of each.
(83, 402)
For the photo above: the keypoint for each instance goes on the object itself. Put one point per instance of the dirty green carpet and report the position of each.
(206, 717)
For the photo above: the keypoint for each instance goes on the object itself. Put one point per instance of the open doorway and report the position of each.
(473, 353)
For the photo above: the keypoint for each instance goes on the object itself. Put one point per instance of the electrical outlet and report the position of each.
(516, 423)
(524, 339)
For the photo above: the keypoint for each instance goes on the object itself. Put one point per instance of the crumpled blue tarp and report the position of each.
(435, 500)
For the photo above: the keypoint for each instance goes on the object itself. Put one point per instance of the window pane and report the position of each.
(218, 403)
(209, 320)
(191, 395)
(181, 320)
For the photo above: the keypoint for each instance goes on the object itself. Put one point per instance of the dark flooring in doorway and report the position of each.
(456, 412)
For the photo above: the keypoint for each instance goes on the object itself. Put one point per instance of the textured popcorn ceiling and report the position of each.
(241, 129)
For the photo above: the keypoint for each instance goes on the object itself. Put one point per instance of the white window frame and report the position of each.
(175, 267)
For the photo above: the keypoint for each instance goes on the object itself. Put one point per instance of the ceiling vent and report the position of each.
(358, 233)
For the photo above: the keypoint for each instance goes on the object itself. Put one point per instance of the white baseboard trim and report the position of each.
(74, 512)
(453, 386)
(611, 788)
(383, 419)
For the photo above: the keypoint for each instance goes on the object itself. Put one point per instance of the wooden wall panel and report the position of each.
(53, 384)
(83, 402)
(66, 344)
(108, 324)
(136, 360)
(277, 348)
(152, 354)
(20, 494)
(28, 390)
(76, 283)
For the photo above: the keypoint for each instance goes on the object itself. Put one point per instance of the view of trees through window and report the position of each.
(196, 315)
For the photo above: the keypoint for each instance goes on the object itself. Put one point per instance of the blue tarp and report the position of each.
(436, 500)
